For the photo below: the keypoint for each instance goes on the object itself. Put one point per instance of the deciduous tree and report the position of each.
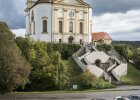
(14, 70)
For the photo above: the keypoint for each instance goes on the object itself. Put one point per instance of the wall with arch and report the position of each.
(42, 13)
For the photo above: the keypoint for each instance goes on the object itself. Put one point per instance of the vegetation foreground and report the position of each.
(28, 65)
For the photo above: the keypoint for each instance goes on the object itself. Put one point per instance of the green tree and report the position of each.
(130, 53)
(60, 71)
(14, 70)
(136, 57)
(25, 44)
(124, 50)
(87, 80)
(104, 47)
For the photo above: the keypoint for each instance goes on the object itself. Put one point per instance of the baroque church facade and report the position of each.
(60, 21)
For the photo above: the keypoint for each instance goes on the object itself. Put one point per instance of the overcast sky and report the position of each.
(120, 18)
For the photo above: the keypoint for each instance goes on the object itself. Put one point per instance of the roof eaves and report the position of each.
(39, 2)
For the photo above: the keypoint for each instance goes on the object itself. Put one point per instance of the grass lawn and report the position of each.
(133, 77)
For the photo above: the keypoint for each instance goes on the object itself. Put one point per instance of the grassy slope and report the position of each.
(133, 77)
(76, 71)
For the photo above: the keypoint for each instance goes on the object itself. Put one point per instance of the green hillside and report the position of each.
(133, 77)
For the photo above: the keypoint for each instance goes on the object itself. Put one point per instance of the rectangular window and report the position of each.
(71, 26)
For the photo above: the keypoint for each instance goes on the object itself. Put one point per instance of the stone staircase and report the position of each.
(111, 74)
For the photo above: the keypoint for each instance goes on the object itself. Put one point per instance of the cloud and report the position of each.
(19, 32)
(121, 26)
(113, 6)
(120, 18)
(12, 12)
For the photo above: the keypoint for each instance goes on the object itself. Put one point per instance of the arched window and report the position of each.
(71, 26)
(60, 27)
(32, 16)
(30, 29)
(81, 28)
(44, 25)
(34, 28)
(70, 39)
(90, 28)
(81, 41)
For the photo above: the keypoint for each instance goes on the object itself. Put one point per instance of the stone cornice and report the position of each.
(75, 5)
(67, 33)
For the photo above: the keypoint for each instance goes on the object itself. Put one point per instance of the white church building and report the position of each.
(60, 21)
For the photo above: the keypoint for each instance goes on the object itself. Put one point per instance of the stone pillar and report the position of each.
(77, 22)
(85, 22)
(65, 28)
(56, 27)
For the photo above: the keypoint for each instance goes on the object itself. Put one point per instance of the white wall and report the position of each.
(121, 70)
(103, 57)
(96, 70)
(90, 22)
(40, 11)
(27, 23)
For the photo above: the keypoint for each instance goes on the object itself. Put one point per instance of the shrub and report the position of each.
(66, 50)
(86, 80)
(104, 47)
(89, 81)
(124, 51)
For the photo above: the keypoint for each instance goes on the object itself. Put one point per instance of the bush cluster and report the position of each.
(49, 70)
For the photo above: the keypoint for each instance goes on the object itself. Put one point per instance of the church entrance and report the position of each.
(70, 39)
(81, 41)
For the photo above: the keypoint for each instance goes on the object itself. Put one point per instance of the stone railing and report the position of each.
(110, 68)
(96, 70)
(115, 75)
(116, 59)
(107, 77)
(80, 64)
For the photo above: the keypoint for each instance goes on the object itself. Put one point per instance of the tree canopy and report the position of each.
(14, 70)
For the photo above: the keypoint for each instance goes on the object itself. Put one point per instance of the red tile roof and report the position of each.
(100, 36)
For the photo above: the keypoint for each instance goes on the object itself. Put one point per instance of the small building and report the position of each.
(101, 37)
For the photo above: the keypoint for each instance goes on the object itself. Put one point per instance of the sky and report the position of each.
(119, 18)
